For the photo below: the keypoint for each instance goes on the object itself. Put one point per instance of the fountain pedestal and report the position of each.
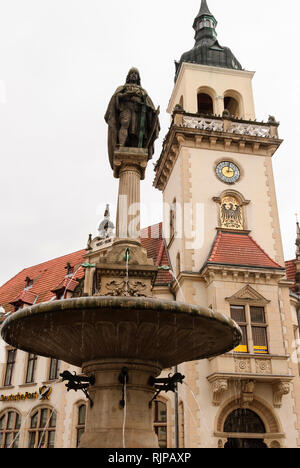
(106, 424)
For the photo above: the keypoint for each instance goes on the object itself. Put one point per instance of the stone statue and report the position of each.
(131, 117)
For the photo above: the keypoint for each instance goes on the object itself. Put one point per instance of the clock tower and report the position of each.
(222, 230)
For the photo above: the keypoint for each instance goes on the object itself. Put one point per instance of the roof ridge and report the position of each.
(52, 260)
(215, 244)
(270, 258)
(11, 279)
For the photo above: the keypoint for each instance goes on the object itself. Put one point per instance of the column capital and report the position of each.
(130, 158)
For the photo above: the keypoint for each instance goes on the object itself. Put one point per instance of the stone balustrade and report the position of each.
(227, 125)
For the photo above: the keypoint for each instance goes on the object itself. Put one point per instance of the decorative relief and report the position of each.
(263, 366)
(279, 389)
(242, 366)
(249, 295)
(203, 124)
(247, 393)
(219, 386)
(231, 213)
(126, 288)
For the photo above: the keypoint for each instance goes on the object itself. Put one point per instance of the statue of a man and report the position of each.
(131, 117)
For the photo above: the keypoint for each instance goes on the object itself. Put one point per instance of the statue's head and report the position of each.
(133, 76)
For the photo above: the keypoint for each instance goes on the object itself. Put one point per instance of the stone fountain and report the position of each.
(117, 332)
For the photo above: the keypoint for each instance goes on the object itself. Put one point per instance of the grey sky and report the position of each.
(60, 62)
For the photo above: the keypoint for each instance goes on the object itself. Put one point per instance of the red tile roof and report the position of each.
(50, 276)
(152, 240)
(46, 277)
(239, 249)
(27, 297)
(290, 266)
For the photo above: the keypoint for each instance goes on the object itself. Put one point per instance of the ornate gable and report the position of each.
(247, 295)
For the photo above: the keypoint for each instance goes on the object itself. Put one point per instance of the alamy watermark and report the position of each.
(180, 221)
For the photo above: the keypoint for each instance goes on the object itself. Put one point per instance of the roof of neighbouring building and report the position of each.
(46, 278)
(290, 266)
(51, 276)
(152, 240)
(239, 249)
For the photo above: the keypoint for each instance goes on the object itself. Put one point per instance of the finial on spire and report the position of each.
(204, 10)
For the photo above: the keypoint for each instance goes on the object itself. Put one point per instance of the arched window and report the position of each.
(205, 104)
(232, 106)
(160, 422)
(10, 423)
(233, 103)
(42, 428)
(80, 427)
(244, 421)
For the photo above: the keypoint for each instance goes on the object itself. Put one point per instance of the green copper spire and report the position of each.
(204, 12)
(205, 24)
(207, 50)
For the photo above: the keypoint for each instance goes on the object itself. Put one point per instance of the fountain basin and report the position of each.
(84, 329)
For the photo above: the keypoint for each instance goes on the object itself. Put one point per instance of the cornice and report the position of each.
(240, 273)
(180, 136)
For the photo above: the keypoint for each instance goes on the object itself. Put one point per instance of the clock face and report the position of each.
(228, 172)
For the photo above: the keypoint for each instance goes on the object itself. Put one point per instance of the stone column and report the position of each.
(129, 166)
(107, 418)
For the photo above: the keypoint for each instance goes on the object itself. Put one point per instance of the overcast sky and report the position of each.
(60, 62)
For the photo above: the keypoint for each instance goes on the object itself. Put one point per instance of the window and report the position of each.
(31, 366)
(252, 321)
(205, 104)
(80, 423)
(69, 269)
(243, 421)
(28, 283)
(238, 314)
(160, 423)
(54, 369)
(42, 429)
(10, 424)
(259, 330)
(10, 364)
(232, 106)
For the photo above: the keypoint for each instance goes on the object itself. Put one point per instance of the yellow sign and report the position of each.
(43, 393)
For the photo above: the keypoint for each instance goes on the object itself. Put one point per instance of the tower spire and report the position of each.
(204, 18)
(207, 50)
(204, 10)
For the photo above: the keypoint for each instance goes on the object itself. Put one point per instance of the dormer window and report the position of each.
(28, 283)
(69, 269)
